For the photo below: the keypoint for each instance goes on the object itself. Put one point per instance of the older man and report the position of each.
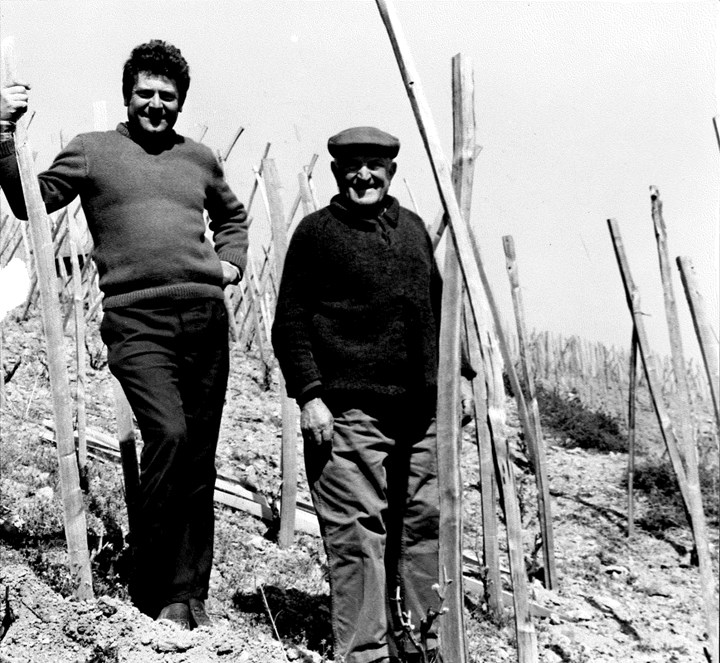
(355, 332)
(144, 190)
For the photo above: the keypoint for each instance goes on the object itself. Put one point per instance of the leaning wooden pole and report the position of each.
(288, 497)
(452, 627)
(689, 483)
(707, 339)
(474, 277)
(128, 456)
(633, 301)
(488, 484)
(80, 352)
(632, 407)
(472, 267)
(73, 507)
(684, 414)
(537, 444)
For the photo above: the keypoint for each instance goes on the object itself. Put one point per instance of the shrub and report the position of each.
(656, 478)
(576, 425)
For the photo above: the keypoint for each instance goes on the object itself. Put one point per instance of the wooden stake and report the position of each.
(73, 507)
(707, 339)
(488, 486)
(536, 444)
(80, 356)
(128, 455)
(288, 497)
(474, 278)
(449, 433)
(689, 483)
(679, 368)
(632, 402)
(229, 149)
(524, 628)
(633, 300)
(304, 194)
(255, 181)
(412, 197)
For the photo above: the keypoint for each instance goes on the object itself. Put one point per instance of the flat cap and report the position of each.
(363, 139)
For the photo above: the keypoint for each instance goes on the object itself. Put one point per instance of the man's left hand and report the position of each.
(231, 274)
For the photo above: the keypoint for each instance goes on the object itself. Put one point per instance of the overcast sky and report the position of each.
(581, 106)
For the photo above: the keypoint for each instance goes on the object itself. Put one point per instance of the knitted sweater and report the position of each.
(144, 208)
(358, 310)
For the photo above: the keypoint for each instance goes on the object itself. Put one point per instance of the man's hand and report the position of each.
(13, 102)
(231, 274)
(316, 421)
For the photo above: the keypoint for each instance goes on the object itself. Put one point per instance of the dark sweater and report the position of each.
(358, 309)
(144, 208)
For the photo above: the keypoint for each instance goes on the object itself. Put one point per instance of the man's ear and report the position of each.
(392, 168)
(335, 170)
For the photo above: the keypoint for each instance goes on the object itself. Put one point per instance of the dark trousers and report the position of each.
(376, 495)
(172, 358)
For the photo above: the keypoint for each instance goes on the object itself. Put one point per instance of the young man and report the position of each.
(144, 190)
(356, 332)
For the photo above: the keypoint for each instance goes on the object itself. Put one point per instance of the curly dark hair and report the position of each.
(161, 59)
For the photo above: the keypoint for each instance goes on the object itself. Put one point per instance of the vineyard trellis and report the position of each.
(581, 369)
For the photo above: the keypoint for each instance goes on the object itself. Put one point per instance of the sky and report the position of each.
(580, 108)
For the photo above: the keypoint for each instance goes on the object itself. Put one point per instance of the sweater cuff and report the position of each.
(313, 390)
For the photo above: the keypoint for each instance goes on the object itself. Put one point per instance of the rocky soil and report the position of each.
(618, 600)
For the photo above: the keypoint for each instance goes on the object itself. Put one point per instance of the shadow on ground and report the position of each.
(299, 617)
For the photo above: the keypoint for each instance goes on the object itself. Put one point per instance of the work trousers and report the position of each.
(375, 492)
(171, 358)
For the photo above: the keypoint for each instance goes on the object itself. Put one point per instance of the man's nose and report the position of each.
(364, 173)
(155, 101)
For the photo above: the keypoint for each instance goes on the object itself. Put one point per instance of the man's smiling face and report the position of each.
(154, 104)
(364, 179)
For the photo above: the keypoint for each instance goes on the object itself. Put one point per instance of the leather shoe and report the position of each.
(198, 613)
(176, 613)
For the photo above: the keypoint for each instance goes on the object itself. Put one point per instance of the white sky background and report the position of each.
(581, 106)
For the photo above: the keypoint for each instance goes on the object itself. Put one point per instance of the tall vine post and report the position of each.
(73, 507)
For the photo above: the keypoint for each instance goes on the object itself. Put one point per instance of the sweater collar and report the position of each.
(154, 146)
(387, 216)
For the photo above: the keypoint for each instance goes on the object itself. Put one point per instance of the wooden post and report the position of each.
(449, 433)
(288, 497)
(304, 194)
(308, 204)
(258, 170)
(475, 280)
(80, 356)
(412, 197)
(128, 455)
(689, 483)
(706, 338)
(632, 402)
(73, 508)
(488, 486)
(633, 300)
(229, 149)
(537, 445)
(524, 628)
(679, 368)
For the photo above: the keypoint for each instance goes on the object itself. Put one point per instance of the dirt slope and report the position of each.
(618, 600)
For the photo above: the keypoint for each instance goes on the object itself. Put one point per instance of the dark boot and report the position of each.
(198, 614)
(176, 613)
